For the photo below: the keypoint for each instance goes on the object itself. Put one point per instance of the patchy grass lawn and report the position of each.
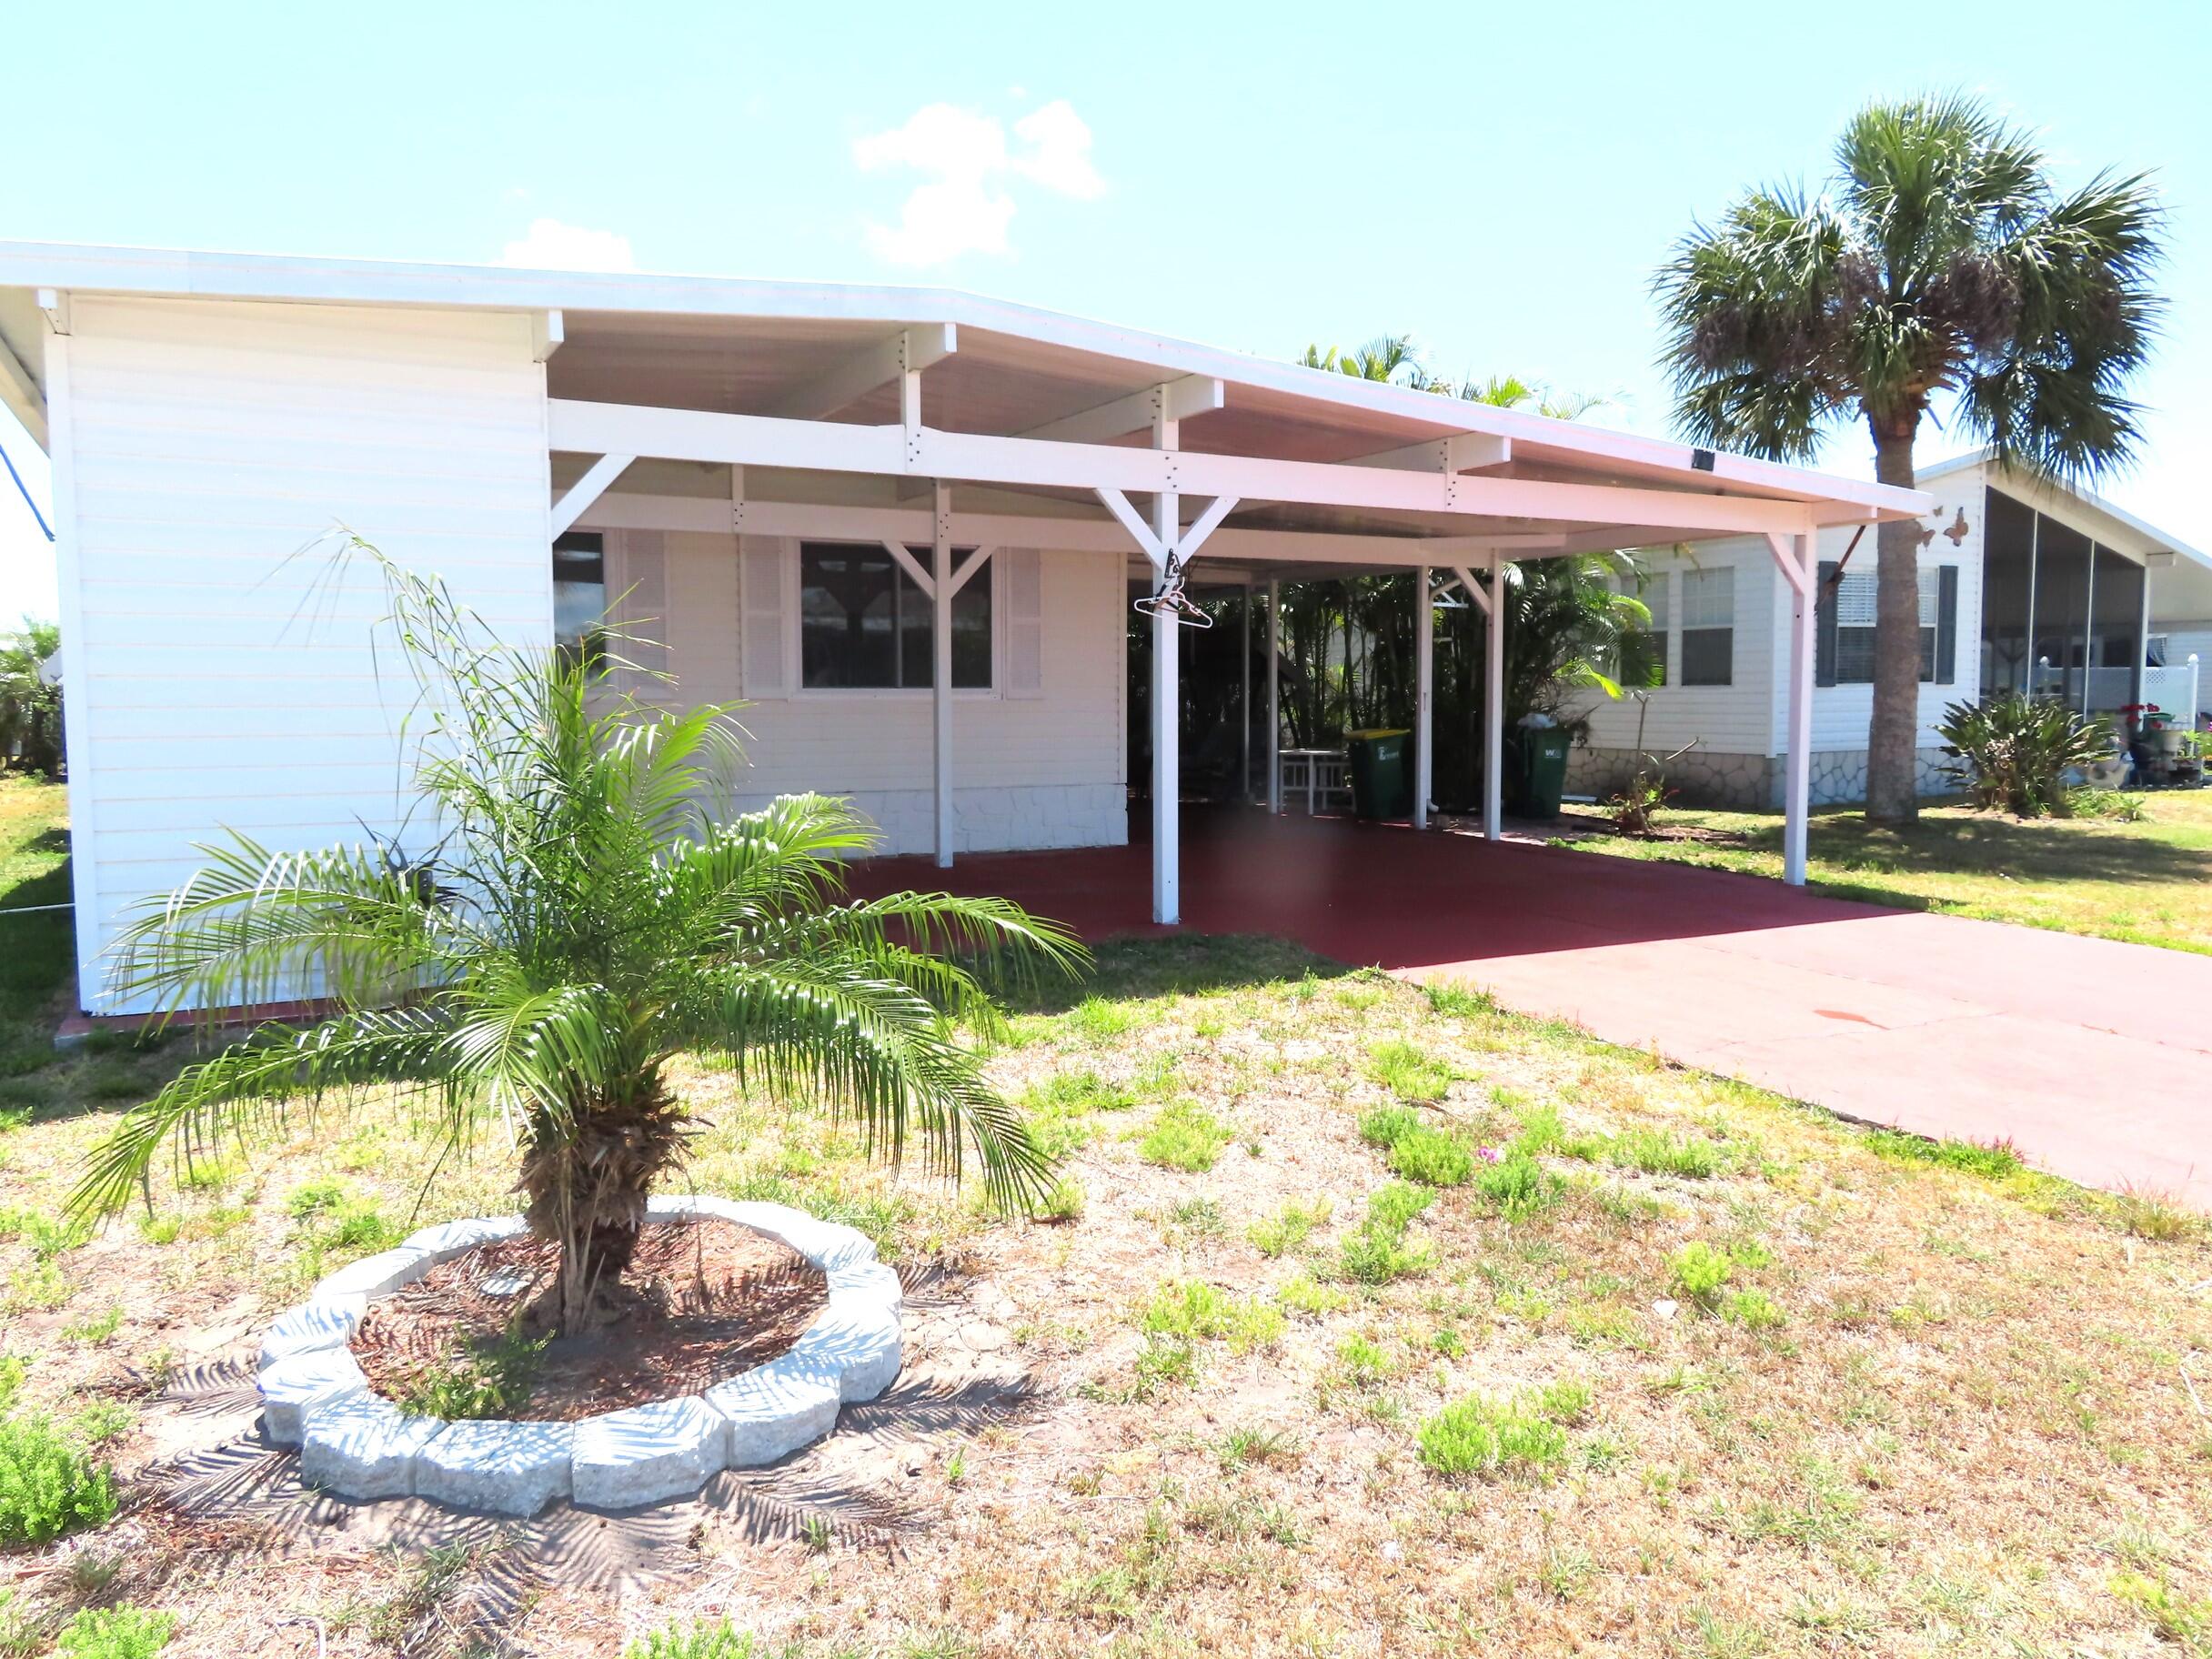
(1655, 1364)
(2148, 882)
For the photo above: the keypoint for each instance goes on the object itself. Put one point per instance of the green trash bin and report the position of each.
(1543, 770)
(1381, 777)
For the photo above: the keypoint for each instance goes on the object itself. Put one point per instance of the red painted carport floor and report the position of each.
(2093, 1057)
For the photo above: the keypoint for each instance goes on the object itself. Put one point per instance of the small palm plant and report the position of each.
(583, 919)
(2013, 753)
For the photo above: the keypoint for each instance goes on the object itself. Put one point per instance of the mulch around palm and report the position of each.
(705, 1301)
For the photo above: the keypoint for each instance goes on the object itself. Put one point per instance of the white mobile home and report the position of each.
(901, 523)
(2023, 584)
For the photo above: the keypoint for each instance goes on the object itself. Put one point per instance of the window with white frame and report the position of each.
(1856, 599)
(1708, 627)
(865, 624)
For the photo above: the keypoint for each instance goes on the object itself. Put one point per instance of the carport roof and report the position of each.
(744, 346)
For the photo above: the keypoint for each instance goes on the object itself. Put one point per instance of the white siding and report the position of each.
(1728, 719)
(202, 443)
(1751, 717)
(1043, 769)
(1842, 714)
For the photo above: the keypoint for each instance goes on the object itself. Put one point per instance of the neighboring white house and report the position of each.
(2022, 581)
(898, 522)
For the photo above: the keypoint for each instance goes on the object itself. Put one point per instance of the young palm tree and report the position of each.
(583, 919)
(1946, 274)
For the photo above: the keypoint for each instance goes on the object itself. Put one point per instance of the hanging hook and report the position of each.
(1171, 602)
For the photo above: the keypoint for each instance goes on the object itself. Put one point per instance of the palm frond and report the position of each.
(262, 1082)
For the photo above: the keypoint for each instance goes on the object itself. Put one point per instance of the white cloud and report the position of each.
(552, 245)
(963, 204)
(960, 210)
(1059, 153)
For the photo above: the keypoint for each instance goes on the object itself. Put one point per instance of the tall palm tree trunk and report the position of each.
(1893, 736)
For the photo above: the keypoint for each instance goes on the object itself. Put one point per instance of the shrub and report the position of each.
(1432, 1157)
(489, 1378)
(2086, 802)
(1376, 1256)
(1393, 1208)
(1364, 1361)
(1288, 1228)
(1184, 1136)
(2012, 753)
(2180, 1619)
(1656, 1152)
(1195, 1309)
(1518, 1185)
(1754, 1311)
(115, 1632)
(1543, 1131)
(1101, 1019)
(1305, 1294)
(48, 1485)
(1385, 1126)
(1408, 1072)
(718, 1640)
(1064, 1203)
(1995, 1160)
(1457, 1000)
(1482, 1436)
(1699, 1271)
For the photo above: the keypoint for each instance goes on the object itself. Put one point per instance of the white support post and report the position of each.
(941, 668)
(1494, 707)
(1244, 699)
(1424, 696)
(1167, 709)
(1274, 696)
(2136, 683)
(1798, 772)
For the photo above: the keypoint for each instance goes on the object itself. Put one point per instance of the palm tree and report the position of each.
(584, 918)
(1384, 357)
(1945, 274)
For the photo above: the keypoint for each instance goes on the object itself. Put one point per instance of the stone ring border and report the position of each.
(357, 1444)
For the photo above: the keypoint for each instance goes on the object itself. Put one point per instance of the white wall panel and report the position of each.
(206, 442)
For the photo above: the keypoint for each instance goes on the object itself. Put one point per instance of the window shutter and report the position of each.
(640, 590)
(1024, 632)
(1947, 624)
(1824, 624)
(764, 583)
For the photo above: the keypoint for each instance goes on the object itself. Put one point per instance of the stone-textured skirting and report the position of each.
(1012, 818)
(352, 1443)
(1746, 783)
(1703, 777)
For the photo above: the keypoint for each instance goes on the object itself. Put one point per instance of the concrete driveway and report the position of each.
(2092, 1058)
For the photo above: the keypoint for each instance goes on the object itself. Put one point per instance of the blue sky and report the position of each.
(1499, 181)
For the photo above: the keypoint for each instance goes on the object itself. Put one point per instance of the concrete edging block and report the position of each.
(357, 1445)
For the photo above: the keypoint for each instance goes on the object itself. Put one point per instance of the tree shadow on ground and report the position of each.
(1176, 965)
(242, 1499)
(2034, 849)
